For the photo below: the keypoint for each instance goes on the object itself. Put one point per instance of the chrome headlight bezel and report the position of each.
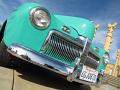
(33, 17)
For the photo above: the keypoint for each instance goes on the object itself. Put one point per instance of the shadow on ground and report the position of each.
(43, 77)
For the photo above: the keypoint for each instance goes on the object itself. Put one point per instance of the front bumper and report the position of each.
(44, 61)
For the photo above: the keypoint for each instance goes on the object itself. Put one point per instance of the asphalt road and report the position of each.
(34, 78)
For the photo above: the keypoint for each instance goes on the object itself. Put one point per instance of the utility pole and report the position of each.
(108, 41)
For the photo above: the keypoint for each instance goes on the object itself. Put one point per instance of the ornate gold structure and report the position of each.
(97, 26)
(108, 41)
(116, 70)
(109, 69)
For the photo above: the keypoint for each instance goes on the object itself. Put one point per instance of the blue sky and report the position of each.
(99, 11)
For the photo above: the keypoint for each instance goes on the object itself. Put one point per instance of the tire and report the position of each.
(5, 58)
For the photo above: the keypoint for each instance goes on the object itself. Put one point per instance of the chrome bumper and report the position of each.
(45, 62)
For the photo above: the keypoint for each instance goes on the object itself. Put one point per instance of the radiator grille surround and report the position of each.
(61, 48)
(65, 49)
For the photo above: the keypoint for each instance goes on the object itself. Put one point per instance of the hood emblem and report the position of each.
(66, 29)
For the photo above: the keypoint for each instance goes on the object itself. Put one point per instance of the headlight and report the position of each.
(40, 18)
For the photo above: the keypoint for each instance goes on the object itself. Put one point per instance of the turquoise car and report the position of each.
(61, 44)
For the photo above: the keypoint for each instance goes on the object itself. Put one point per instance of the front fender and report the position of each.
(20, 30)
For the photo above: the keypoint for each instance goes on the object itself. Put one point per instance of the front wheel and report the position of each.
(5, 59)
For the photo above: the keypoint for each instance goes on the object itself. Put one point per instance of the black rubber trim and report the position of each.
(2, 30)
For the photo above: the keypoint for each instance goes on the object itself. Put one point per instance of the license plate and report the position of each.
(88, 74)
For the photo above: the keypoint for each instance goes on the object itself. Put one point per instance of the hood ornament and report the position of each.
(66, 29)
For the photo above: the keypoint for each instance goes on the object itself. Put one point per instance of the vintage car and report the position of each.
(61, 44)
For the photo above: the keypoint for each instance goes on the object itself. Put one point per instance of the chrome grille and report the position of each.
(65, 49)
(62, 48)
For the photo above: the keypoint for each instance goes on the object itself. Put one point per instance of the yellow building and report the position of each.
(109, 69)
(109, 36)
(116, 71)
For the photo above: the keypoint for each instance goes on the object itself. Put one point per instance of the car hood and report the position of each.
(83, 26)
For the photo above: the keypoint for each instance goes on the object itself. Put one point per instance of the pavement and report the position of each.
(6, 78)
(38, 79)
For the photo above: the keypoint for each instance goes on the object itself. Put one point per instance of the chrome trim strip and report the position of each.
(39, 59)
(73, 40)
